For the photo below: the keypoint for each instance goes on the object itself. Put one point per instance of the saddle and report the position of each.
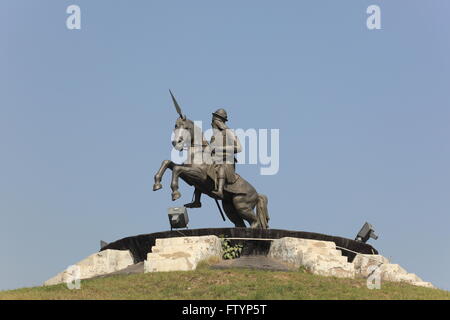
(232, 179)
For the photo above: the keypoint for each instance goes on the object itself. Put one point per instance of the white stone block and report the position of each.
(424, 284)
(364, 262)
(182, 253)
(319, 257)
(99, 263)
(389, 272)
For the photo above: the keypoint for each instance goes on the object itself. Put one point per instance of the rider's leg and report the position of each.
(220, 182)
(196, 203)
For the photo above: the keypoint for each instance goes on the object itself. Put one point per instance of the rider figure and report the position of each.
(224, 145)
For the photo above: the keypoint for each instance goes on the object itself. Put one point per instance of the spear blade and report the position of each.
(175, 103)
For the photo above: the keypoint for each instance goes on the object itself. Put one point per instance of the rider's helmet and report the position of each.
(221, 114)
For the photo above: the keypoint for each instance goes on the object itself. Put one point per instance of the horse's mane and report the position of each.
(195, 131)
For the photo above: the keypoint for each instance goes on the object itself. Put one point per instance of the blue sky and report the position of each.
(86, 118)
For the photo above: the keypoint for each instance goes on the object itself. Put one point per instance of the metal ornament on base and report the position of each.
(178, 217)
(366, 232)
(103, 244)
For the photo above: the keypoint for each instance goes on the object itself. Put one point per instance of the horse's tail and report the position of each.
(261, 211)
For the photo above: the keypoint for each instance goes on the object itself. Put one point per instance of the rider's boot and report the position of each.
(196, 203)
(193, 205)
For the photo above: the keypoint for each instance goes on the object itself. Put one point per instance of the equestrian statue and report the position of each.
(210, 168)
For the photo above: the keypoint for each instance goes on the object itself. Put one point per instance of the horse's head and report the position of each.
(186, 133)
(183, 133)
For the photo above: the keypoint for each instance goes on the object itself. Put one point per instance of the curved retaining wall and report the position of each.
(142, 244)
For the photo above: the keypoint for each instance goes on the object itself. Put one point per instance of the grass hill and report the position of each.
(207, 283)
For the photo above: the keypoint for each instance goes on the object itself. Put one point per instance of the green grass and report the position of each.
(205, 283)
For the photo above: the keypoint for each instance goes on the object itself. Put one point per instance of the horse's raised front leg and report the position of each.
(191, 175)
(176, 171)
(158, 176)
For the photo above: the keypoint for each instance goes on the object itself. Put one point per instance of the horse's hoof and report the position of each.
(175, 195)
(157, 186)
(255, 225)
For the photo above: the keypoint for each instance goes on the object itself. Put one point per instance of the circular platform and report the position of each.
(142, 244)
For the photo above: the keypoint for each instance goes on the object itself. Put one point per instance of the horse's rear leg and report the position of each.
(158, 176)
(244, 207)
(231, 213)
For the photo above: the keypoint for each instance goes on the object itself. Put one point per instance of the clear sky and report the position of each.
(86, 118)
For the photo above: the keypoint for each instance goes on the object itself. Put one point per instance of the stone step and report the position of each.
(392, 269)
(328, 265)
(313, 256)
(368, 259)
(334, 270)
(365, 263)
(424, 284)
(319, 257)
(181, 264)
(175, 255)
(181, 248)
(294, 242)
(322, 251)
(181, 253)
(318, 251)
(409, 277)
(211, 240)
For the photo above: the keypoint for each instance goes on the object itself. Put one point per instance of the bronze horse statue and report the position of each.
(239, 199)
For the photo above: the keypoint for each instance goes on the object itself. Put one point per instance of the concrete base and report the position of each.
(170, 253)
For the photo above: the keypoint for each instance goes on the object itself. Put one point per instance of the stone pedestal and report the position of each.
(182, 253)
